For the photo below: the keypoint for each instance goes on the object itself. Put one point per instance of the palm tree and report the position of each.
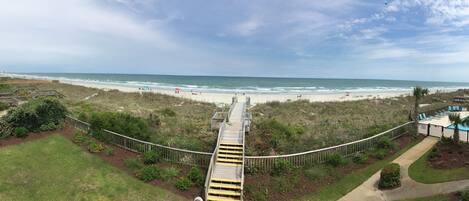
(456, 120)
(418, 93)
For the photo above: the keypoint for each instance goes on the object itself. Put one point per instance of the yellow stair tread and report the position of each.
(230, 144)
(225, 180)
(228, 147)
(230, 155)
(224, 192)
(227, 186)
(228, 164)
(231, 152)
(229, 160)
(218, 198)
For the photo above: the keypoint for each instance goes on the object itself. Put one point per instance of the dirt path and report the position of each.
(410, 189)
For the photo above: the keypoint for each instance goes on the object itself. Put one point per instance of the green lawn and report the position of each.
(421, 172)
(432, 198)
(56, 169)
(340, 188)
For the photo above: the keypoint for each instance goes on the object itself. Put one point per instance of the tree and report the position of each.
(456, 121)
(418, 93)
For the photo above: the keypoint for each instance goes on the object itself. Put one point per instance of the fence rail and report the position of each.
(259, 162)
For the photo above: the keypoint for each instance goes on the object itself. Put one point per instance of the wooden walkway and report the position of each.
(226, 177)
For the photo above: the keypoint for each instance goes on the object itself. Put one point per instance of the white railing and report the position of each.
(212, 160)
(260, 162)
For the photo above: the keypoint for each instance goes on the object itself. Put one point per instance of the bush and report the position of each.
(464, 196)
(79, 138)
(133, 163)
(169, 173)
(5, 130)
(109, 151)
(360, 158)
(316, 173)
(281, 167)
(4, 106)
(36, 113)
(390, 176)
(48, 127)
(151, 157)
(21, 132)
(434, 153)
(255, 192)
(122, 123)
(385, 143)
(285, 184)
(379, 153)
(196, 176)
(149, 173)
(335, 160)
(94, 147)
(183, 184)
(167, 112)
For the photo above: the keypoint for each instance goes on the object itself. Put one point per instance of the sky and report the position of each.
(382, 39)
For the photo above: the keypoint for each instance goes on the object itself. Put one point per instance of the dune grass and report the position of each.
(421, 172)
(311, 125)
(54, 168)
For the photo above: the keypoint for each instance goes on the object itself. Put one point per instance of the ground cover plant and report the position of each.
(322, 182)
(312, 125)
(172, 121)
(390, 176)
(446, 161)
(53, 168)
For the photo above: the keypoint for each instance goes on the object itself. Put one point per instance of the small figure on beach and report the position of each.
(177, 90)
(299, 96)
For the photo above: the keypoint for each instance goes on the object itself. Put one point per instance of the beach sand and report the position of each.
(225, 98)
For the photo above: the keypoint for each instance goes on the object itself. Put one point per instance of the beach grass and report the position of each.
(54, 168)
(312, 125)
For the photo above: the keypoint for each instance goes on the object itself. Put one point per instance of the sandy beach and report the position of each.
(225, 97)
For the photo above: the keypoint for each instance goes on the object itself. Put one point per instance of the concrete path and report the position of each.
(368, 191)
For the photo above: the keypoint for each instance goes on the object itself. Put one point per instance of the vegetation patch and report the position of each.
(53, 168)
(390, 176)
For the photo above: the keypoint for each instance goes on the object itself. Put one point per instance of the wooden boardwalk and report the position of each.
(226, 174)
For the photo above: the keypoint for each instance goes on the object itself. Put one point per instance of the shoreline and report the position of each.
(226, 97)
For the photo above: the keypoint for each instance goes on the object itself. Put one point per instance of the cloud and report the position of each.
(248, 27)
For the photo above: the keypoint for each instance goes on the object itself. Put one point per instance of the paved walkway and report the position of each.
(368, 191)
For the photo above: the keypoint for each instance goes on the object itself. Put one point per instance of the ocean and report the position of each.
(249, 84)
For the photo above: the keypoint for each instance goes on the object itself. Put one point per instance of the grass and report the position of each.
(340, 188)
(56, 169)
(312, 125)
(421, 172)
(431, 198)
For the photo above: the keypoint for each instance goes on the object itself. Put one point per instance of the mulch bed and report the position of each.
(116, 160)
(305, 185)
(450, 156)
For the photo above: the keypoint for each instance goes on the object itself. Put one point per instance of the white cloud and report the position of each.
(248, 27)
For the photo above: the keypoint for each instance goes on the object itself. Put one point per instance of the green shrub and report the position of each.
(167, 112)
(80, 137)
(122, 123)
(133, 163)
(5, 130)
(21, 132)
(255, 192)
(360, 158)
(150, 157)
(95, 147)
(196, 176)
(335, 160)
(316, 173)
(109, 151)
(281, 167)
(379, 153)
(390, 176)
(169, 173)
(183, 184)
(48, 127)
(277, 131)
(5, 88)
(434, 153)
(385, 143)
(464, 196)
(33, 114)
(4, 106)
(285, 184)
(149, 173)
